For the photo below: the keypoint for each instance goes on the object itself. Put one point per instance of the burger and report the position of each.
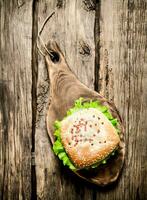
(87, 136)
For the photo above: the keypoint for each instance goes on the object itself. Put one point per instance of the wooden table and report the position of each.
(104, 43)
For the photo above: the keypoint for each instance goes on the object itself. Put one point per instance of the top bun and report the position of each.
(88, 137)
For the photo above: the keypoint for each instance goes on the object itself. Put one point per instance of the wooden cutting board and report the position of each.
(65, 88)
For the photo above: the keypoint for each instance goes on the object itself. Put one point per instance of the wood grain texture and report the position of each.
(123, 79)
(65, 89)
(106, 49)
(77, 42)
(15, 99)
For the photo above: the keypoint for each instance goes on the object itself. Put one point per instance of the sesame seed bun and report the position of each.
(88, 137)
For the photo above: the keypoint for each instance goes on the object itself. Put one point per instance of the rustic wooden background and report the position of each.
(105, 44)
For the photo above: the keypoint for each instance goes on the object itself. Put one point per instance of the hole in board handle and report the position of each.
(55, 57)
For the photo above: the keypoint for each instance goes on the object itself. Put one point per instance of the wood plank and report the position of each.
(123, 79)
(15, 99)
(70, 28)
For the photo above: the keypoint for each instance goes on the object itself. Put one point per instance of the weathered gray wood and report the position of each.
(120, 40)
(123, 79)
(70, 28)
(15, 99)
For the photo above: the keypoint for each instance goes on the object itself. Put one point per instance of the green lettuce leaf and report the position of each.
(58, 148)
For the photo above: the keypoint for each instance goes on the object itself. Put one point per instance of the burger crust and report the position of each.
(88, 137)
